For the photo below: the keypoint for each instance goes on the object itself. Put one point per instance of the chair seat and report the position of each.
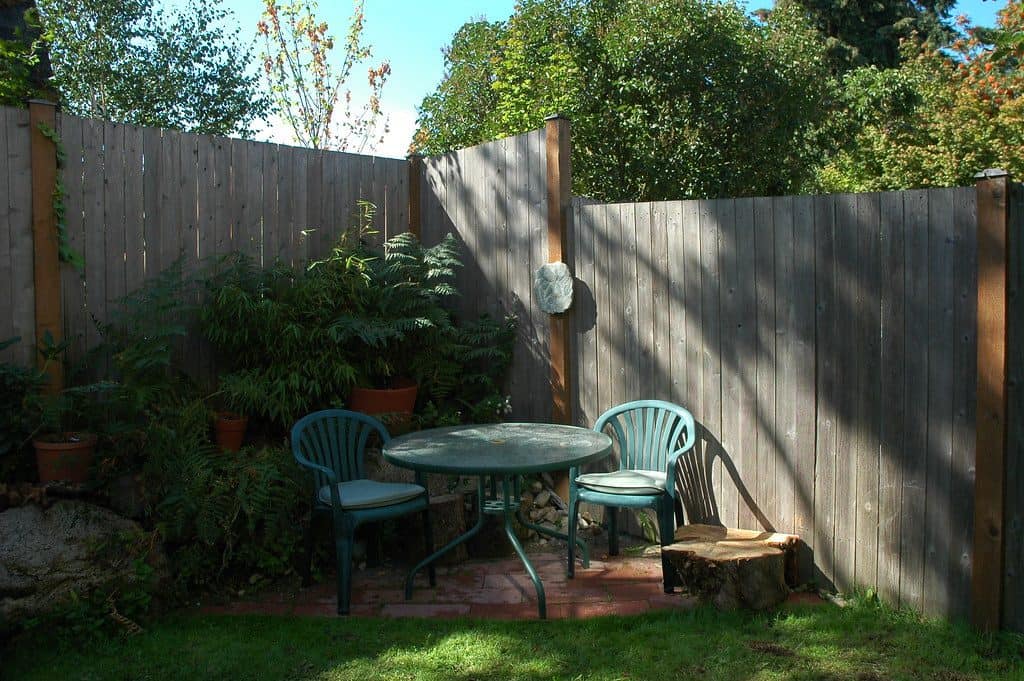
(370, 493)
(624, 482)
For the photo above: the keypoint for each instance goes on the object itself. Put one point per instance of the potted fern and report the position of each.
(64, 445)
(397, 322)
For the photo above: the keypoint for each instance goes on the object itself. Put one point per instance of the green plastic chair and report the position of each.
(651, 435)
(332, 444)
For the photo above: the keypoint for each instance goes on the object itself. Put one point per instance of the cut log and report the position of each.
(787, 543)
(732, 568)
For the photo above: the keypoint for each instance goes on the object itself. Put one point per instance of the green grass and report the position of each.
(860, 643)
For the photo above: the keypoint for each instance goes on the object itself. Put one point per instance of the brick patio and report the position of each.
(495, 589)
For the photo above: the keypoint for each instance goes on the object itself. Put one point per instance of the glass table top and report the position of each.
(497, 448)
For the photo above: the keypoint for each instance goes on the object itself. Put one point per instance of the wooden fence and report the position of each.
(826, 344)
(138, 199)
(492, 198)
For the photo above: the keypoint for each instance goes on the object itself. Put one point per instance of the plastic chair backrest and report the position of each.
(336, 439)
(648, 432)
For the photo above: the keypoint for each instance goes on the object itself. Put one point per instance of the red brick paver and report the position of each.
(498, 589)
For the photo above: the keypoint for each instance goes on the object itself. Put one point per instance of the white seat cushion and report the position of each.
(370, 493)
(624, 482)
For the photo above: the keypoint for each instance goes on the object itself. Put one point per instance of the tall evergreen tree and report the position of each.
(868, 32)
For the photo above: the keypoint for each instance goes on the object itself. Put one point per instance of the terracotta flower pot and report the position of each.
(65, 457)
(229, 431)
(398, 401)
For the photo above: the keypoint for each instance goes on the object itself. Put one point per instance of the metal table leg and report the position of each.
(453, 543)
(510, 507)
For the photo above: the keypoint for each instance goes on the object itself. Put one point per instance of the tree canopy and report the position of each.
(939, 118)
(667, 99)
(870, 33)
(132, 61)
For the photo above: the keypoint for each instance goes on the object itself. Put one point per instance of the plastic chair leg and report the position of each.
(307, 563)
(613, 530)
(666, 528)
(344, 552)
(428, 539)
(574, 508)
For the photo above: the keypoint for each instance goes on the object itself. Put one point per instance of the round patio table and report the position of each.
(502, 452)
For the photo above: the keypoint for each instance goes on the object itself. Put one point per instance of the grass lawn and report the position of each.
(860, 643)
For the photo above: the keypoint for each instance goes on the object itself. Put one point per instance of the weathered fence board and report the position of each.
(139, 199)
(16, 258)
(492, 198)
(1013, 567)
(821, 342)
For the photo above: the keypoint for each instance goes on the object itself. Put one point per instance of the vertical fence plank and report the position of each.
(676, 329)
(606, 323)
(847, 269)
(95, 251)
(940, 403)
(866, 415)
(169, 213)
(1013, 568)
(804, 342)
(644, 340)
(693, 278)
(786, 387)
(827, 388)
(73, 282)
(7, 234)
(915, 205)
(134, 213)
(891, 394)
(711, 366)
(114, 215)
(747, 342)
(961, 500)
(731, 357)
(765, 361)
(661, 381)
(19, 221)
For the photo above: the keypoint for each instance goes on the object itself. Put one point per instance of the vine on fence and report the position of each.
(64, 250)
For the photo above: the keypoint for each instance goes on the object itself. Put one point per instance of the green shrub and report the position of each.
(17, 384)
(299, 341)
(226, 517)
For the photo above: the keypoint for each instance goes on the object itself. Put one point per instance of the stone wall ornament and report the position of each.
(552, 286)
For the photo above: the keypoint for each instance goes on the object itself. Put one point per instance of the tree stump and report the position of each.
(733, 568)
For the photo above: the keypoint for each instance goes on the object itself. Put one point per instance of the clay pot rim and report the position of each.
(401, 386)
(85, 440)
(231, 416)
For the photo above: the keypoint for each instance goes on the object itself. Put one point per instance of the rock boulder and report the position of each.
(47, 554)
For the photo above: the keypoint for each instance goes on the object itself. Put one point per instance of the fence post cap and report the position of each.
(556, 117)
(413, 155)
(44, 102)
(990, 173)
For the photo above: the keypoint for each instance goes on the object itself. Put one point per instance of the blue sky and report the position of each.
(411, 33)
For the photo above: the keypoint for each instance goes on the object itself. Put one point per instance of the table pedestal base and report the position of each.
(507, 507)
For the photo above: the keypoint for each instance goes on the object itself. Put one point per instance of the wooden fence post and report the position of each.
(45, 249)
(559, 189)
(993, 188)
(559, 186)
(415, 173)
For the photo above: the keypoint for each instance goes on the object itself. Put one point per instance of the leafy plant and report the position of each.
(134, 61)
(299, 341)
(307, 90)
(17, 385)
(225, 517)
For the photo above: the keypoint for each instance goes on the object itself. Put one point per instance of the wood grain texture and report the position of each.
(45, 249)
(990, 481)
